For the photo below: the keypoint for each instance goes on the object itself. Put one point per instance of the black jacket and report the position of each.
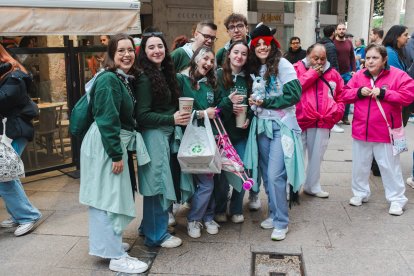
(294, 57)
(16, 105)
(331, 53)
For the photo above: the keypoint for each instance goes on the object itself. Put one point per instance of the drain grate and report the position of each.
(277, 264)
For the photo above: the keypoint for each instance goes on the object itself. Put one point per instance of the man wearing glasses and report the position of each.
(205, 34)
(295, 52)
(236, 25)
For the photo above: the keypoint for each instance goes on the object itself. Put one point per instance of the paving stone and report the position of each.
(208, 259)
(366, 234)
(56, 201)
(356, 262)
(65, 223)
(315, 209)
(53, 184)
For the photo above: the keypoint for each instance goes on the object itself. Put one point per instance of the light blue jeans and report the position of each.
(154, 223)
(221, 188)
(202, 202)
(103, 241)
(274, 176)
(12, 192)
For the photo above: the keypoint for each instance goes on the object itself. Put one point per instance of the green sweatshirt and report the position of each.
(204, 98)
(180, 59)
(226, 106)
(112, 110)
(151, 114)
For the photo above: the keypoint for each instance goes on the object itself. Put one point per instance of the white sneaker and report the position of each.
(279, 234)
(321, 194)
(8, 223)
(172, 242)
(410, 182)
(127, 264)
(221, 217)
(237, 218)
(337, 129)
(25, 228)
(126, 246)
(194, 229)
(175, 208)
(171, 219)
(395, 209)
(267, 223)
(212, 227)
(254, 203)
(357, 201)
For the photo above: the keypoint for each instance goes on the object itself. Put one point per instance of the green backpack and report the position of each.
(81, 117)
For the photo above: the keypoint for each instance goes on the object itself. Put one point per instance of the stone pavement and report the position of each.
(333, 237)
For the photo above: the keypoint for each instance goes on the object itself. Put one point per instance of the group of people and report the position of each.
(293, 107)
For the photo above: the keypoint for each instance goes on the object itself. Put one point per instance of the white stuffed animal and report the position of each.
(258, 92)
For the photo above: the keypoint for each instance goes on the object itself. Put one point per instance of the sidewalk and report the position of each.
(333, 237)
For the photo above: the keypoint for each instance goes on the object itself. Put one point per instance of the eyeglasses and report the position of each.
(152, 34)
(207, 37)
(239, 27)
(122, 52)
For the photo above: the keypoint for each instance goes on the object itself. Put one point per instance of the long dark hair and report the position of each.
(227, 72)
(109, 62)
(272, 61)
(163, 80)
(391, 37)
(211, 77)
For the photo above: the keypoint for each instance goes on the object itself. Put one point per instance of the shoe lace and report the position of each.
(196, 224)
(212, 223)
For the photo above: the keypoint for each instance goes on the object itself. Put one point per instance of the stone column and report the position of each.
(359, 18)
(409, 18)
(304, 23)
(222, 9)
(341, 11)
(392, 9)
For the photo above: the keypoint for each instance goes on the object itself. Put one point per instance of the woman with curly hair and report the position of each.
(156, 111)
(274, 131)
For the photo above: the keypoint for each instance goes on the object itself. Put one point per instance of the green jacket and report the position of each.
(150, 114)
(225, 104)
(112, 110)
(180, 58)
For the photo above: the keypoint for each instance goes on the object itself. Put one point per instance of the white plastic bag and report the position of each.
(11, 165)
(198, 152)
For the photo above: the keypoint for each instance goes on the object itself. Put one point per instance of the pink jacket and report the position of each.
(320, 105)
(397, 90)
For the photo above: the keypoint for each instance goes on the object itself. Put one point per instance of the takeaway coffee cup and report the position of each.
(186, 104)
(241, 117)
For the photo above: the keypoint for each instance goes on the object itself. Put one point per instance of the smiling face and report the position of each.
(155, 50)
(238, 57)
(374, 62)
(205, 64)
(125, 55)
(262, 51)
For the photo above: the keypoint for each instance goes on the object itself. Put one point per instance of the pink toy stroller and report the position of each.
(231, 161)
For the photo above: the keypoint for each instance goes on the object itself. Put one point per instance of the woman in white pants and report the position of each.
(393, 89)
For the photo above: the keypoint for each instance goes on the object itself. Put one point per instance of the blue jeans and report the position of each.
(346, 77)
(274, 176)
(12, 192)
(103, 241)
(221, 188)
(202, 202)
(154, 222)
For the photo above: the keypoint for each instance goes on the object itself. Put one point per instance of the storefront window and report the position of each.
(289, 7)
(326, 7)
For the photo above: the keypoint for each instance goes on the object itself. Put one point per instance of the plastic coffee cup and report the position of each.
(241, 117)
(186, 104)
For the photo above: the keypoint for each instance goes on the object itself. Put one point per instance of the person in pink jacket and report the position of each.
(319, 109)
(394, 89)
